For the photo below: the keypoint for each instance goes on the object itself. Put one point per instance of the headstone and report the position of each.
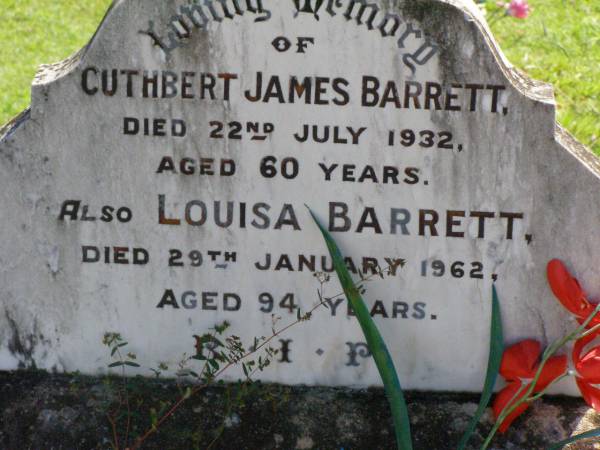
(157, 186)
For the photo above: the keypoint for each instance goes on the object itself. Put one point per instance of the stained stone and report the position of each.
(156, 187)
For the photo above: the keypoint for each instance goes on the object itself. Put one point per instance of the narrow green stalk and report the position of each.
(494, 361)
(586, 435)
(375, 342)
(590, 331)
(545, 391)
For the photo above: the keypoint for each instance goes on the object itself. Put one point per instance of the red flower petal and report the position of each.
(566, 288)
(586, 313)
(578, 348)
(588, 367)
(520, 360)
(554, 368)
(591, 394)
(504, 399)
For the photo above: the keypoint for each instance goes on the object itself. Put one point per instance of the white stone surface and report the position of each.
(70, 146)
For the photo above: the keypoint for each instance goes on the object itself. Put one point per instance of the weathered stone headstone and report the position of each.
(157, 186)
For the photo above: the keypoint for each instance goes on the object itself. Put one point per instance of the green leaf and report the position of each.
(377, 346)
(494, 359)
(116, 364)
(153, 417)
(586, 435)
(131, 364)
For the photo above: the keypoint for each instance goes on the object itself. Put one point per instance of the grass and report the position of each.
(559, 43)
(35, 32)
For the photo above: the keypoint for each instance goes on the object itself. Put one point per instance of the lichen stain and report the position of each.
(22, 347)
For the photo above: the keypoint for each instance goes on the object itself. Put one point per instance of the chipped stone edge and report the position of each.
(529, 87)
(11, 126)
(48, 73)
(534, 89)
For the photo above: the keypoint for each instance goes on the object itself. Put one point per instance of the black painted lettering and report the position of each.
(260, 211)
(390, 95)
(258, 91)
(150, 82)
(428, 218)
(189, 300)
(452, 221)
(90, 254)
(162, 220)
(209, 300)
(299, 89)
(166, 165)
(473, 98)
(369, 220)
(433, 92)
(85, 81)
(129, 83)
(400, 217)
(287, 217)
(321, 90)
(169, 84)
(412, 90)
(69, 210)
(333, 304)
(370, 88)
(328, 170)
(419, 311)
(481, 216)
(131, 126)
(274, 90)
(400, 309)
(207, 86)
(229, 219)
(227, 77)
(411, 175)
(187, 86)
(232, 302)
(390, 174)
(379, 309)
(178, 128)
(451, 97)
(340, 87)
(338, 210)
(510, 218)
(496, 89)
(200, 206)
(168, 299)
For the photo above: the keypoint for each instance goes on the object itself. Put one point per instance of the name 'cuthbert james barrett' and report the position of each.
(373, 92)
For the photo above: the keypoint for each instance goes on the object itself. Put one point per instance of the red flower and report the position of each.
(569, 292)
(520, 362)
(588, 371)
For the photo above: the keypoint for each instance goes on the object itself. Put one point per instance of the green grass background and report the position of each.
(558, 43)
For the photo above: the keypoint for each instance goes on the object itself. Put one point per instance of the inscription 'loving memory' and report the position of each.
(197, 15)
